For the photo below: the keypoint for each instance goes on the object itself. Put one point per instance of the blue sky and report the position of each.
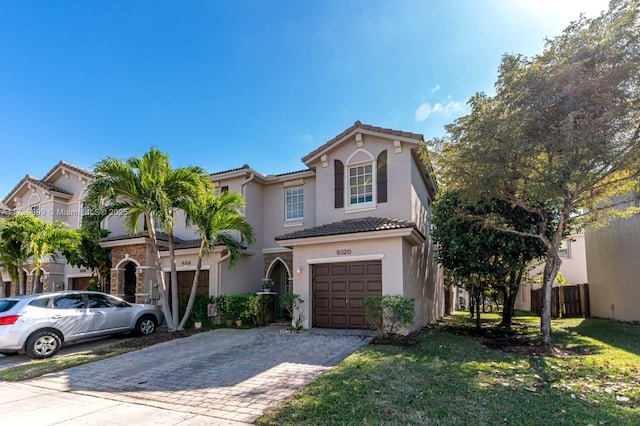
(220, 84)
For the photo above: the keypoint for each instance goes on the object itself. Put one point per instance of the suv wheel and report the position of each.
(42, 344)
(145, 326)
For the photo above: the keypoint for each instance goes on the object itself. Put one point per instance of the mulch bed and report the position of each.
(409, 341)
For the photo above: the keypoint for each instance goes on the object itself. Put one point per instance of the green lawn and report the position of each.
(453, 379)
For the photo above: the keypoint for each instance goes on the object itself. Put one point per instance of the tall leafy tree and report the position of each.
(48, 240)
(147, 188)
(561, 135)
(482, 257)
(214, 217)
(89, 253)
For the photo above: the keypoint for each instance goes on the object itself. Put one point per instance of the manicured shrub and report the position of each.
(390, 313)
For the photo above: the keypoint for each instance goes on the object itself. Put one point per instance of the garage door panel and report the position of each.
(374, 286)
(357, 321)
(356, 303)
(338, 303)
(356, 285)
(322, 270)
(338, 286)
(339, 291)
(321, 303)
(357, 269)
(338, 320)
(322, 286)
(374, 269)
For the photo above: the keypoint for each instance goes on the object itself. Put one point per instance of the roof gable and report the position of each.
(29, 182)
(358, 127)
(63, 168)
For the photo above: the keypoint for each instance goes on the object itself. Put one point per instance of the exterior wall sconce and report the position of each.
(138, 271)
(299, 269)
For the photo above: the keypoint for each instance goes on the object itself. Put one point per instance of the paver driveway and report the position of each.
(224, 374)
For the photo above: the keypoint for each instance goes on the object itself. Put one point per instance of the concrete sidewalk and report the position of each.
(34, 406)
(226, 376)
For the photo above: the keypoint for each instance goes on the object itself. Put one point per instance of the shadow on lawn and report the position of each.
(624, 336)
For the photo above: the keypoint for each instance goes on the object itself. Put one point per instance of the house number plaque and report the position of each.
(343, 252)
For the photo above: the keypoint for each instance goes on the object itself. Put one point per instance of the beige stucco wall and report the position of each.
(422, 280)
(273, 211)
(574, 267)
(398, 176)
(613, 265)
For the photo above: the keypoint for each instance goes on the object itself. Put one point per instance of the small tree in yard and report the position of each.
(291, 304)
(561, 136)
(90, 254)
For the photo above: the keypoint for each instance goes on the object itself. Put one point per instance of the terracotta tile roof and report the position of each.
(246, 166)
(79, 170)
(350, 226)
(359, 125)
(186, 244)
(37, 182)
(160, 236)
(293, 173)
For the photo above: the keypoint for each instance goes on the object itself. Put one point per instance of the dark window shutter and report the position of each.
(338, 184)
(382, 177)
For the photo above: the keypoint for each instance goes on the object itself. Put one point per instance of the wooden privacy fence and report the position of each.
(566, 301)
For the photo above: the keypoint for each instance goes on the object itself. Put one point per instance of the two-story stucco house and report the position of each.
(354, 223)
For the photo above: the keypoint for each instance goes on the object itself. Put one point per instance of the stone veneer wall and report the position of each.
(286, 256)
(137, 252)
(31, 280)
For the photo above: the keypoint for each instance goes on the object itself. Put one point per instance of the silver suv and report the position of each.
(39, 324)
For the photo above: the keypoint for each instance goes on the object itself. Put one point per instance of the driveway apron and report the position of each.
(225, 374)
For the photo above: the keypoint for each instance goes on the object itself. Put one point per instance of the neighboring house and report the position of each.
(57, 196)
(354, 223)
(613, 262)
(573, 269)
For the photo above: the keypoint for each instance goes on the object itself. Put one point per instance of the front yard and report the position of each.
(452, 378)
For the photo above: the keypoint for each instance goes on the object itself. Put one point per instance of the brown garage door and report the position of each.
(339, 290)
(185, 281)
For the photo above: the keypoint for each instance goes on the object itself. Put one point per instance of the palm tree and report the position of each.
(214, 217)
(47, 240)
(15, 245)
(147, 187)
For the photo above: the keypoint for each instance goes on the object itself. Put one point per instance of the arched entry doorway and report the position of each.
(280, 276)
(130, 279)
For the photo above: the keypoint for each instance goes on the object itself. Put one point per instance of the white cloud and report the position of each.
(426, 109)
(423, 112)
(435, 88)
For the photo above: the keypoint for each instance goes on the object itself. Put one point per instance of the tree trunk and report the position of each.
(194, 287)
(478, 323)
(22, 286)
(175, 312)
(162, 286)
(551, 268)
(510, 292)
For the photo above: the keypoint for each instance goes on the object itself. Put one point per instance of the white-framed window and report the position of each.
(294, 203)
(360, 184)
(221, 189)
(563, 250)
